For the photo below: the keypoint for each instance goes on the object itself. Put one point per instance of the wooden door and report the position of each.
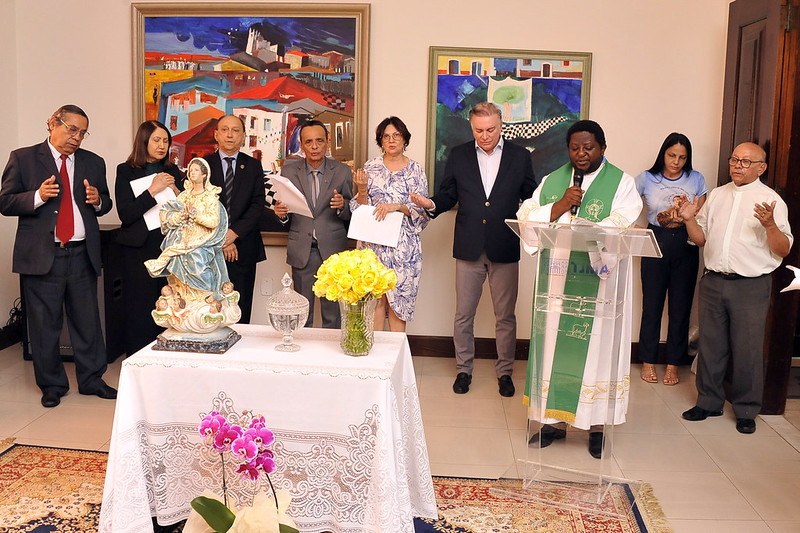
(762, 104)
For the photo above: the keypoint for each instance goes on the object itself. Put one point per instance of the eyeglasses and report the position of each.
(73, 131)
(733, 161)
(396, 136)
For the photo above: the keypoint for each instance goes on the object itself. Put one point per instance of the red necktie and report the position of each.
(65, 226)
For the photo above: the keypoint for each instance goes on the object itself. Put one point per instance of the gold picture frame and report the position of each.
(325, 75)
(290, 74)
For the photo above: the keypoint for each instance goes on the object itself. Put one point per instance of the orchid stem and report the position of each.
(224, 483)
(274, 495)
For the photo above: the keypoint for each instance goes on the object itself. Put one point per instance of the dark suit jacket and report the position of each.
(132, 208)
(27, 168)
(247, 203)
(329, 226)
(480, 225)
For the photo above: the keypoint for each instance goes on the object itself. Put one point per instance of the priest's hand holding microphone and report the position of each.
(571, 200)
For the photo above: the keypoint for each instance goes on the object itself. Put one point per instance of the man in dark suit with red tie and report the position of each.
(58, 191)
(242, 180)
(487, 178)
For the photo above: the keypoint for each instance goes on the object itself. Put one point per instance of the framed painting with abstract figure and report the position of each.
(274, 65)
(540, 95)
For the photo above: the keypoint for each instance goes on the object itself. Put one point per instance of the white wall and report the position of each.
(657, 68)
(9, 283)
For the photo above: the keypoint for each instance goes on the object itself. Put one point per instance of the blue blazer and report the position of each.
(480, 221)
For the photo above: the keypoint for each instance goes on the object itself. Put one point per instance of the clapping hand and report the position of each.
(48, 189)
(361, 181)
(92, 195)
(763, 212)
(688, 210)
(337, 202)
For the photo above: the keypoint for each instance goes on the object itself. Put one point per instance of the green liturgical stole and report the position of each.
(574, 329)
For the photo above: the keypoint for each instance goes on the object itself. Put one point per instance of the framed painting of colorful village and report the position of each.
(274, 65)
(540, 95)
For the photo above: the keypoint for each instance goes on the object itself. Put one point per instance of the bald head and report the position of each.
(762, 155)
(747, 163)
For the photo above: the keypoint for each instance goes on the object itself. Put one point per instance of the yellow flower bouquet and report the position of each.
(355, 279)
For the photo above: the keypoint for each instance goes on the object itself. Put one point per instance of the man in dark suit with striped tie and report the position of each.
(242, 180)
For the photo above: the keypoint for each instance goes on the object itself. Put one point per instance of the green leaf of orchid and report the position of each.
(217, 516)
(287, 529)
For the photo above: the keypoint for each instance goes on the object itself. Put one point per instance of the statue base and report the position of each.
(217, 341)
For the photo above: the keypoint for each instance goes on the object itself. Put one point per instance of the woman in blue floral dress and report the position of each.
(385, 183)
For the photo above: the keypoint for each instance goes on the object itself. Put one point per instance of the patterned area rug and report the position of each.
(50, 489)
(474, 506)
(44, 490)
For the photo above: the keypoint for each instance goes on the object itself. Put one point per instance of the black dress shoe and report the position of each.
(461, 384)
(51, 398)
(596, 444)
(547, 434)
(695, 414)
(105, 392)
(745, 425)
(506, 386)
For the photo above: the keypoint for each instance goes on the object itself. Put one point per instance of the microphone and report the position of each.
(577, 180)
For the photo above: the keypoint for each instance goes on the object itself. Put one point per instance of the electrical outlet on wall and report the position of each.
(266, 287)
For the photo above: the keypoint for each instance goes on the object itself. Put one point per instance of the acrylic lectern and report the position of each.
(576, 373)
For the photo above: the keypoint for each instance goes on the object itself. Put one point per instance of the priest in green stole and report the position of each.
(574, 354)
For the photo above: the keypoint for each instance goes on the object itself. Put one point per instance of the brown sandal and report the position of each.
(649, 373)
(671, 376)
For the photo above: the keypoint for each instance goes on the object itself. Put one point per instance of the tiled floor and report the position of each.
(707, 477)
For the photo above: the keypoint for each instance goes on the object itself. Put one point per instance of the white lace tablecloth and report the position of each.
(349, 442)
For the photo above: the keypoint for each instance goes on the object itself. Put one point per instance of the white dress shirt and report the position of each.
(736, 242)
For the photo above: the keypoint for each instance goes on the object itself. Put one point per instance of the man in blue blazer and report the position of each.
(242, 180)
(58, 191)
(487, 178)
(328, 186)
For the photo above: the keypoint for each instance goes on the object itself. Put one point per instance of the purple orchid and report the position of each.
(261, 435)
(225, 437)
(266, 461)
(244, 447)
(248, 470)
(211, 424)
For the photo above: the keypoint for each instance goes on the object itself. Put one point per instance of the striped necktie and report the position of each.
(229, 180)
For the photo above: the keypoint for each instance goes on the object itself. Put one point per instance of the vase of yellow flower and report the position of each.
(358, 326)
(356, 279)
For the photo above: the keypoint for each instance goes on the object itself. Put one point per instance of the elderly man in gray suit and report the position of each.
(328, 187)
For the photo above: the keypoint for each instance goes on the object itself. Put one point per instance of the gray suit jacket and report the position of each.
(330, 227)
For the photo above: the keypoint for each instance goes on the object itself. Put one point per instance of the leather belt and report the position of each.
(724, 275)
(70, 244)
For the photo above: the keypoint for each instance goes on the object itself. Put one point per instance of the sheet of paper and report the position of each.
(151, 216)
(286, 192)
(364, 226)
